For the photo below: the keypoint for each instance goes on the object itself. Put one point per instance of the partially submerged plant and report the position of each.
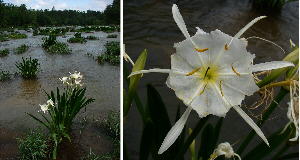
(91, 38)
(111, 55)
(77, 38)
(4, 52)
(210, 73)
(17, 36)
(33, 146)
(49, 41)
(59, 48)
(62, 108)
(4, 75)
(22, 49)
(28, 67)
(112, 122)
(112, 36)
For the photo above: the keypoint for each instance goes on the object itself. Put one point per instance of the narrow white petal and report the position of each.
(254, 37)
(251, 123)
(175, 131)
(243, 30)
(158, 70)
(200, 31)
(179, 21)
(270, 65)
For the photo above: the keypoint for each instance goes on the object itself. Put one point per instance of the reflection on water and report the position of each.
(149, 24)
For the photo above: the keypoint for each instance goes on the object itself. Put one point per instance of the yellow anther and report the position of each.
(201, 50)
(203, 89)
(220, 86)
(226, 47)
(237, 73)
(194, 71)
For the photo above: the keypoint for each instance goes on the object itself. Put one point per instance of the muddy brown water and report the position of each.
(19, 96)
(149, 24)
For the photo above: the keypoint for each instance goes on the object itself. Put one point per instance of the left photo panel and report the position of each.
(59, 79)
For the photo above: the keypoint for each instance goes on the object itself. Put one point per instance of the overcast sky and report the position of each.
(83, 5)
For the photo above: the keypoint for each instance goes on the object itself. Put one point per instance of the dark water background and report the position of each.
(149, 24)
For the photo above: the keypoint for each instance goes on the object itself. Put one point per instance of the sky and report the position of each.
(82, 5)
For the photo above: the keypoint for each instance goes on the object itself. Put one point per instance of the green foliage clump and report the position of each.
(51, 45)
(28, 68)
(66, 106)
(4, 75)
(91, 38)
(112, 36)
(17, 36)
(49, 41)
(4, 52)
(22, 49)
(33, 146)
(112, 54)
(112, 123)
(77, 38)
(59, 48)
(3, 37)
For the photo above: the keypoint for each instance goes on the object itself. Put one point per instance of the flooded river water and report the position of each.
(149, 24)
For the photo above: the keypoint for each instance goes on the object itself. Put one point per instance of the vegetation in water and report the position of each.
(28, 67)
(59, 48)
(4, 75)
(4, 52)
(112, 36)
(22, 49)
(111, 55)
(17, 36)
(63, 106)
(33, 146)
(77, 38)
(91, 38)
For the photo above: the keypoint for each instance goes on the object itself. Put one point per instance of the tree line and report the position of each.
(12, 15)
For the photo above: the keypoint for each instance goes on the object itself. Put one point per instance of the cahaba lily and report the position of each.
(211, 73)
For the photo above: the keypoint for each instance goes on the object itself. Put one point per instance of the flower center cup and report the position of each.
(209, 74)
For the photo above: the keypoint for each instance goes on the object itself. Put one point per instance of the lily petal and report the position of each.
(270, 65)
(157, 70)
(175, 131)
(243, 30)
(251, 123)
(179, 21)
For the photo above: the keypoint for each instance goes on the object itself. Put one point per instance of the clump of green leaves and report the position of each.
(3, 37)
(59, 48)
(49, 41)
(112, 123)
(91, 38)
(51, 45)
(22, 49)
(77, 38)
(4, 52)
(28, 67)
(4, 75)
(112, 36)
(112, 54)
(17, 36)
(67, 105)
(33, 146)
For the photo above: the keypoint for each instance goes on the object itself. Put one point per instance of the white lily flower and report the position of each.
(224, 149)
(50, 102)
(210, 73)
(64, 80)
(44, 107)
(76, 75)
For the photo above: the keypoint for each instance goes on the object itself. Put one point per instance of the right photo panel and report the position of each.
(210, 80)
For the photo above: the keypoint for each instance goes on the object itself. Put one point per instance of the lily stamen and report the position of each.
(237, 73)
(201, 50)
(206, 72)
(193, 71)
(220, 86)
(226, 47)
(203, 89)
